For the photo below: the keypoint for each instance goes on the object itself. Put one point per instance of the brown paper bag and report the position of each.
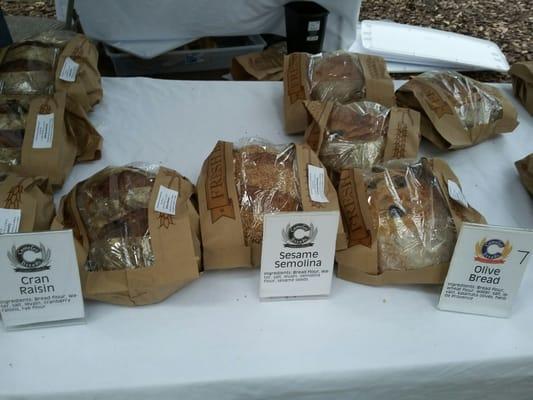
(522, 76)
(266, 65)
(72, 138)
(231, 235)
(525, 170)
(458, 112)
(369, 80)
(31, 196)
(361, 134)
(173, 250)
(34, 67)
(360, 262)
(86, 90)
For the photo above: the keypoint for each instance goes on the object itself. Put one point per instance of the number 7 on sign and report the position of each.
(526, 253)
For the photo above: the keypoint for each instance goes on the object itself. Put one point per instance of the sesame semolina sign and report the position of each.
(298, 254)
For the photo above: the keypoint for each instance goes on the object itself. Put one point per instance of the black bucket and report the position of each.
(305, 23)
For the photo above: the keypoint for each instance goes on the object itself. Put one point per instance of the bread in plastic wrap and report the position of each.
(414, 226)
(28, 68)
(336, 76)
(266, 182)
(355, 136)
(113, 205)
(12, 126)
(472, 103)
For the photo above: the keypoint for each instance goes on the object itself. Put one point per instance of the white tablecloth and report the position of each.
(147, 28)
(215, 339)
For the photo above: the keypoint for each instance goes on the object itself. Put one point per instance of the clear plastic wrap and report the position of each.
(28, 68)
(266, 181)
(113, 205)
(472, 103)
(55, 38)
(12, 126)
(414, 226)
(336, 76)
(355, 136)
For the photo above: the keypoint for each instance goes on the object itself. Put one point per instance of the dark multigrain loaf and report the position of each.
(113, 206)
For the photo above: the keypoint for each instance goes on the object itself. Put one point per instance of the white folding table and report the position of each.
(216, 339)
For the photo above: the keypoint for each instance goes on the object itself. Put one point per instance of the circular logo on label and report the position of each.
(491, 249)
(29, 257)
(299, 235)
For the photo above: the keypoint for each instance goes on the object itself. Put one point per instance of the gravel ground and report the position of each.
(509, 23)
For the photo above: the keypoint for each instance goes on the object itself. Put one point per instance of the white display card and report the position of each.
(486, 270)
(298, 254)
(39, 280)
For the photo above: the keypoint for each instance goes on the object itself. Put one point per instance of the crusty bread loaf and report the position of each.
(471, 101)
(355, 136)
(336, 77)
(113, 206)
(266, 182)
(12, 126)
(413, 224)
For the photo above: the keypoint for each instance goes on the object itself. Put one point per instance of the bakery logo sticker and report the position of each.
(30, 258)
(493, 251)
(299, 235)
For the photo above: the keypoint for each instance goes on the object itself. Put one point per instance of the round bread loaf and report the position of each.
(113, 206)
(413, 224)
(336, 77)
(266, 182)
(472, 103)
(355, 136)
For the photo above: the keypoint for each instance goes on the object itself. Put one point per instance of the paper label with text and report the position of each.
(9, 220)
(317, 181)
(44, 131)
(456, 193)
(69, 71)
(486, 269)
(166, 201)
(298, 254)
(313, 26)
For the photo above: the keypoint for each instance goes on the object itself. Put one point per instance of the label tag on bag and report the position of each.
(44, 131)
(9, 220)
(69, 71)
(486, 270)
(39, 280)
(166, 200)
(456, 193)
(317, 183)
(298, 254)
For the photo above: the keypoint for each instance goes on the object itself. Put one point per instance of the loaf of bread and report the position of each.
(336, 76)
(29, 68)
(472, 102)
(355, 136)
(266, 182)
(413, 224)
(12, 126)
(113, 206)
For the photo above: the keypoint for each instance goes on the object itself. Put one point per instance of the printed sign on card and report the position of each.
(298, 254)
(39, 280)
(486, 270)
